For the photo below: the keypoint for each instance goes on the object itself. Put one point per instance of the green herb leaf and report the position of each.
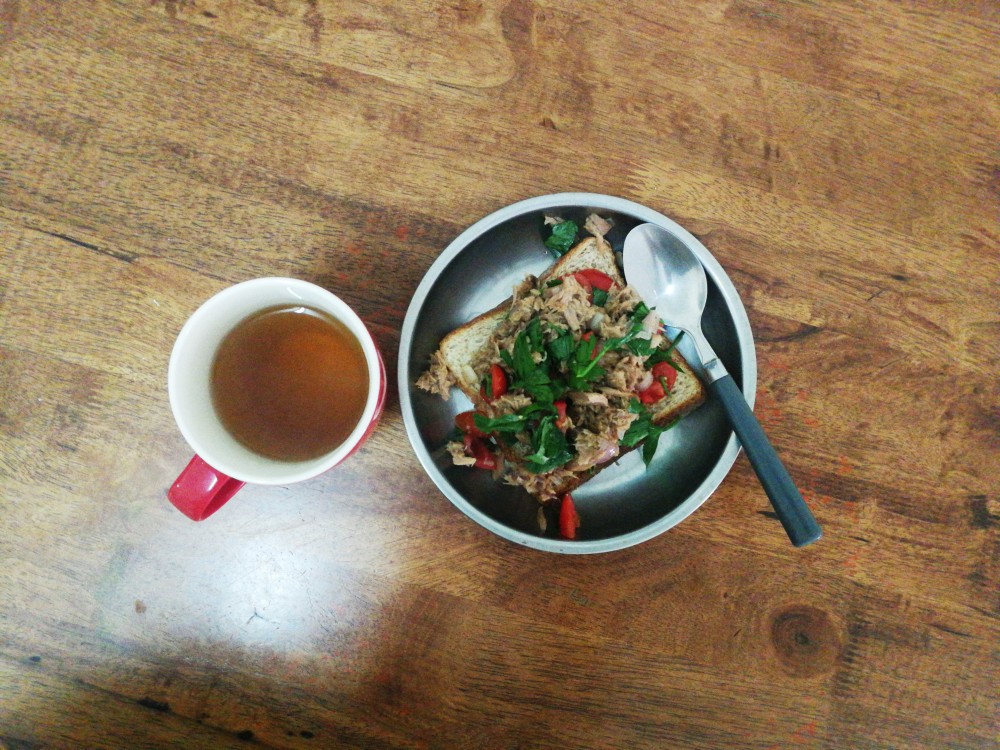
(663, 355)
(505, 423)
(640, 347)
(522, 362)
(562, 346)
(583, 365)
(549, 447)
(649, 447)
(562, 238)
(639, 429)
(600, 297)
(643, 429)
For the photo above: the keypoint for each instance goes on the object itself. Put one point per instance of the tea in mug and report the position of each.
(290, 383)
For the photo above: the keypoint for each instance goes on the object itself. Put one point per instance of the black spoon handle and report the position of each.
(794, 514)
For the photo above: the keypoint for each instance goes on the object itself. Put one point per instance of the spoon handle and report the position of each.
(794, 514)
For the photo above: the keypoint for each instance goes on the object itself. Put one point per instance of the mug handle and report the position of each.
(200, 490)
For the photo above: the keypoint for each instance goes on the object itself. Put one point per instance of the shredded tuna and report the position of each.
(545, 487)
(507, 404)
(633, 369)
(617, 394)
(568, 305)
(620, 420)
(438, 378)
(621, 301)
(458, 456)
(597, 225)
(593, 449)
(579, 397)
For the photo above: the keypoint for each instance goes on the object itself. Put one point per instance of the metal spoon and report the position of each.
(671, 279)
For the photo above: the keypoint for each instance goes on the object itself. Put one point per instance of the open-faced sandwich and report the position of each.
(566, 376)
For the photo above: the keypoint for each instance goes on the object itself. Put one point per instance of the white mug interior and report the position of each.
(189, 378)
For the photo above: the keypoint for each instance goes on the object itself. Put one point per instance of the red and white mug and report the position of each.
(222, 465)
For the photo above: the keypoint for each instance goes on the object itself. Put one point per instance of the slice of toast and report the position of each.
(467, 353)
(460, 350)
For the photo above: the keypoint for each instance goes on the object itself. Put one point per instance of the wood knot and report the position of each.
(806, 640)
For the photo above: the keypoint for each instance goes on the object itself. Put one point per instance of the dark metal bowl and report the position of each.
(626, 503)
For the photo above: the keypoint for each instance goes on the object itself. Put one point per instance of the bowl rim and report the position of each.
(748, 364)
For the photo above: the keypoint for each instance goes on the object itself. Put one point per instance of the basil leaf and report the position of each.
(600, 297)
(549, 446)
(533, 331)
(505, 423)
(643, 429)
(562, 238)
(640, 347)
(562, 346)
(640, 427)
(522, 362)
(638, 430)
(663, 355)
(649, 447)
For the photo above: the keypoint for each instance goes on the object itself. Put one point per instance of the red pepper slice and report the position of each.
(652, 394)
(466, 422)
(591, 278)
(569, 519)
(498, 384)
(667, 372)
(562, 422)
(476, 448)
(664, 377)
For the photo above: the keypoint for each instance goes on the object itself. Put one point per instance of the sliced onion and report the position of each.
(595, 322)
(609, 450)
(651, 322)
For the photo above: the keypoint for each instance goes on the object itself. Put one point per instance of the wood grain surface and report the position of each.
(841, 161)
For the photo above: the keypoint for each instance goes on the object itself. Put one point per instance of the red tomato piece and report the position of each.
(666, 371)
(569, 519)
(591, 278)
(477, 449)
(466, 422)
(498, 384)
(652, 394)
(664, 377)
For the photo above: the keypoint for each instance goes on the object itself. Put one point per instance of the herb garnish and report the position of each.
(643, 428)
(504, 423)
(544, 363)
(562, 238)
(550, 449)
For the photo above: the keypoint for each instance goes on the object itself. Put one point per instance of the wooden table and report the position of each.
(839, 159)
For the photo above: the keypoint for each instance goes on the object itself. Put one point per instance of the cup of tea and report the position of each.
(271, 381)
